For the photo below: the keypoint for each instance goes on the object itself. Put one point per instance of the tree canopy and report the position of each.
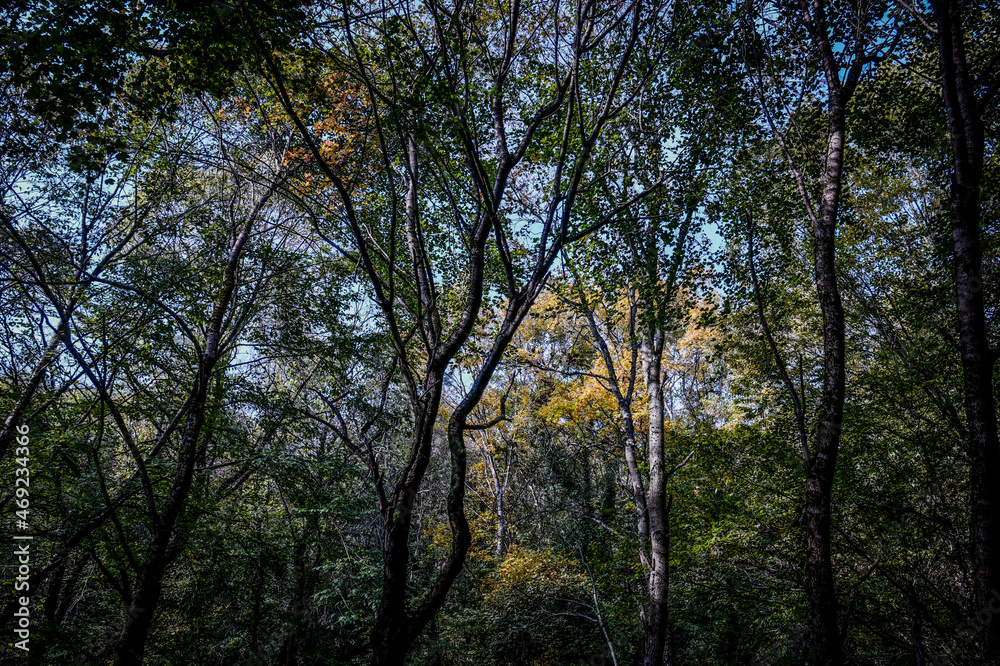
(500, 332)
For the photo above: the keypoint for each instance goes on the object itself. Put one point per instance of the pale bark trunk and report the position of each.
(821, 468)
(657, 614)
(821, 462)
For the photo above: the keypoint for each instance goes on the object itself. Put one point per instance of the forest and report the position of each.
(500, 332)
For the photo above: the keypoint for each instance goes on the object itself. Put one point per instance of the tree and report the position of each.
(466, 155)
(657, 261)
(969, 90)
(869, 42)
(220, 329)
(474, 332)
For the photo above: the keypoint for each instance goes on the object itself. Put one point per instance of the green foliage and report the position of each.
(139, 138)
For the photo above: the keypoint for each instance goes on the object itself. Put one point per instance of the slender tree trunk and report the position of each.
(821, 462)
(652, 509)
(501, 548)
(132, 643)
(497, 489)
(624, 402)
(966, 129)
(821, 467)
(657, 616)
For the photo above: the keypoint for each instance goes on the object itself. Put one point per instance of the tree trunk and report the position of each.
(388, 636)
(820, 588)
(392, 635)
(822, 464)
(501, 548)
(132, 643)
(916, 629)
(656, 630)
(966, 129)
